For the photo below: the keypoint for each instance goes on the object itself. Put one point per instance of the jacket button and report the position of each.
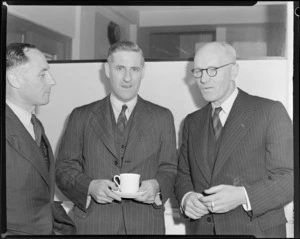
(116, 162)
(123, 146)
(208, 219)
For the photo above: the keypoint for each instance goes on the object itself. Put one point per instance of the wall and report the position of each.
(206, 15)
(94, 43)
(167, 83)
(78, 22)
(63, 22)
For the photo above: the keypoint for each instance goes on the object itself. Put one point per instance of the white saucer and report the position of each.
(128, 195)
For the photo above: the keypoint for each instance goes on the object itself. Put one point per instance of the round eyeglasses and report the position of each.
(211, 71)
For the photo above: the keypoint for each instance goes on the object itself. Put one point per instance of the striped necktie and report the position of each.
(122, 120)
(217, 126)
(39, 131)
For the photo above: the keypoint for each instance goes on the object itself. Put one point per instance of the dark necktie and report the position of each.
(217, 126)
(38, 131)
(122, 120)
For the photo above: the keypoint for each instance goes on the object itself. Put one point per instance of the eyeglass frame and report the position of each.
(215, 68)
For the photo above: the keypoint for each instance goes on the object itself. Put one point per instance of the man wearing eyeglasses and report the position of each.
(235, 172)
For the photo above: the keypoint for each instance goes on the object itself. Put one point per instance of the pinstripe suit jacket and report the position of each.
(29, 184)
(88, 152)
(256, 151)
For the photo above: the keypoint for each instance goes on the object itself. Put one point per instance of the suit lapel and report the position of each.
(142, 121)
(102, 123)
(22, 141)
(200, 142)
(236, 126)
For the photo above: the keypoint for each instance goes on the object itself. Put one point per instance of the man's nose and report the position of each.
(127, 76)
(51, 79)
(205, 77)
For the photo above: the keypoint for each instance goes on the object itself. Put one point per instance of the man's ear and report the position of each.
(107, 70)
(143, 71)
(234, 71)
(13, 80)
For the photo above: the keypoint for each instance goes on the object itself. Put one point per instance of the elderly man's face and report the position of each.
(218, 88)
(125, 71)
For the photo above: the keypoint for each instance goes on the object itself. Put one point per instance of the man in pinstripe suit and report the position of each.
(30, 176)
(235, 170)
(93, 150)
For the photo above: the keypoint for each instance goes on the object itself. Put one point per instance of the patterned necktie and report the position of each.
(122, 120)
(217, 126)
(38, 131)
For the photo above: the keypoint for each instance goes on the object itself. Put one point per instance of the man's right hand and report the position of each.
(100, 190)
(192, 207)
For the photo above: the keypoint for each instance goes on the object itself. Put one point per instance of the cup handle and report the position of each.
(116, 181)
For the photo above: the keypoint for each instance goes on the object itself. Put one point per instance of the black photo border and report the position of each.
(3, 17)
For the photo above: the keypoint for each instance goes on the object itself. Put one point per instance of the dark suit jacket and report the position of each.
(256, 151)
(29, 185)
(88, 152)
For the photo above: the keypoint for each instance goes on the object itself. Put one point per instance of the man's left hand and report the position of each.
(151, 188)
(223, 198)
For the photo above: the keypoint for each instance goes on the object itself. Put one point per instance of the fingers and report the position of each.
(112, 185)
(101, 191)
(145, 197)
(214, 189)
(103, 199)
(209, 202)
(150, 189)
(193, 208)
(112, 195)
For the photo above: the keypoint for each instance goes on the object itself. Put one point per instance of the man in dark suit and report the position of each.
(30, 174)
(235, 172)
(100, 142)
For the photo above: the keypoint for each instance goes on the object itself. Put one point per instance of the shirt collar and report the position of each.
(227, 105)
(117, 105)
(23, 115)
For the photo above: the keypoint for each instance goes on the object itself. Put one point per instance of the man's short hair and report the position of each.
(15, 54)
(124, 46)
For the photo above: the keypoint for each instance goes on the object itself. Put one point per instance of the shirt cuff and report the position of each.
(88, 201)
(247, 206)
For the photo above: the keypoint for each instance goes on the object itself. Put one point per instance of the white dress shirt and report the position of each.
(223, 115)
(117, 106)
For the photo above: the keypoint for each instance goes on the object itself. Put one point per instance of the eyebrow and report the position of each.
(44, 69)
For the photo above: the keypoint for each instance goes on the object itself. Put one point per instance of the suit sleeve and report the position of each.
(276, 190)
(70, 176)
(183, 183)
(167, 157)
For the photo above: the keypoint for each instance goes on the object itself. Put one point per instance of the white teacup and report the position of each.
(129, 182)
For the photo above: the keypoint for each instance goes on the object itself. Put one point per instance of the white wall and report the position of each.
(57, 18)
(166, 83)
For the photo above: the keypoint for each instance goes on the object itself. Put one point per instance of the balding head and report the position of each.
(221, 50)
